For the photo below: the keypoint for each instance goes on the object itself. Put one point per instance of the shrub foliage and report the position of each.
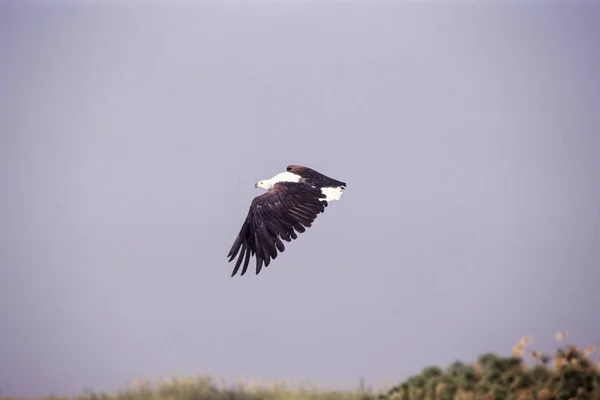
(570, 374)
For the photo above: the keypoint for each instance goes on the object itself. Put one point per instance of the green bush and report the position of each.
(573, 375)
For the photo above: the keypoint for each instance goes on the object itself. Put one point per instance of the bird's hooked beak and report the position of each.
(256, 185)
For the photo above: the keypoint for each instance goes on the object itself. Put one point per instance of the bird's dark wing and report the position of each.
(315, 178)
(275, 215)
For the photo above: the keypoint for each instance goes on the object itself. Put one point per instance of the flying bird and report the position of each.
(292, 202)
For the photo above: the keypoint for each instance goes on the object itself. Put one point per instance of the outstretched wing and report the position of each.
(315, 178)
(275, 215)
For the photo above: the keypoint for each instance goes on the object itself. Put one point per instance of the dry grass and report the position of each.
(207, 388)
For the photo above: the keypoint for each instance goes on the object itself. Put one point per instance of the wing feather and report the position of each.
(279, 214)
(315, 178)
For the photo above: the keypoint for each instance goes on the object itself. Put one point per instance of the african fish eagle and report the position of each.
(293, 200)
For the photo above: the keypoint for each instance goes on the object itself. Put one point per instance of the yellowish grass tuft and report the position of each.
(560, 335)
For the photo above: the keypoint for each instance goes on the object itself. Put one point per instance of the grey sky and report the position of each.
(132, 137)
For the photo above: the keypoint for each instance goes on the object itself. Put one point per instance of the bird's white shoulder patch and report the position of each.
(285, 177)
(332, 193)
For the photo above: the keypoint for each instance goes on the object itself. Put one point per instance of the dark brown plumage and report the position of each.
(278, 214)
(314, 178)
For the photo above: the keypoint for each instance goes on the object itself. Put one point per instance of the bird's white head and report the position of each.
(264, 184)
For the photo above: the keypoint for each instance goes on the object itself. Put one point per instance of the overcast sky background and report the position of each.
(132, 136)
